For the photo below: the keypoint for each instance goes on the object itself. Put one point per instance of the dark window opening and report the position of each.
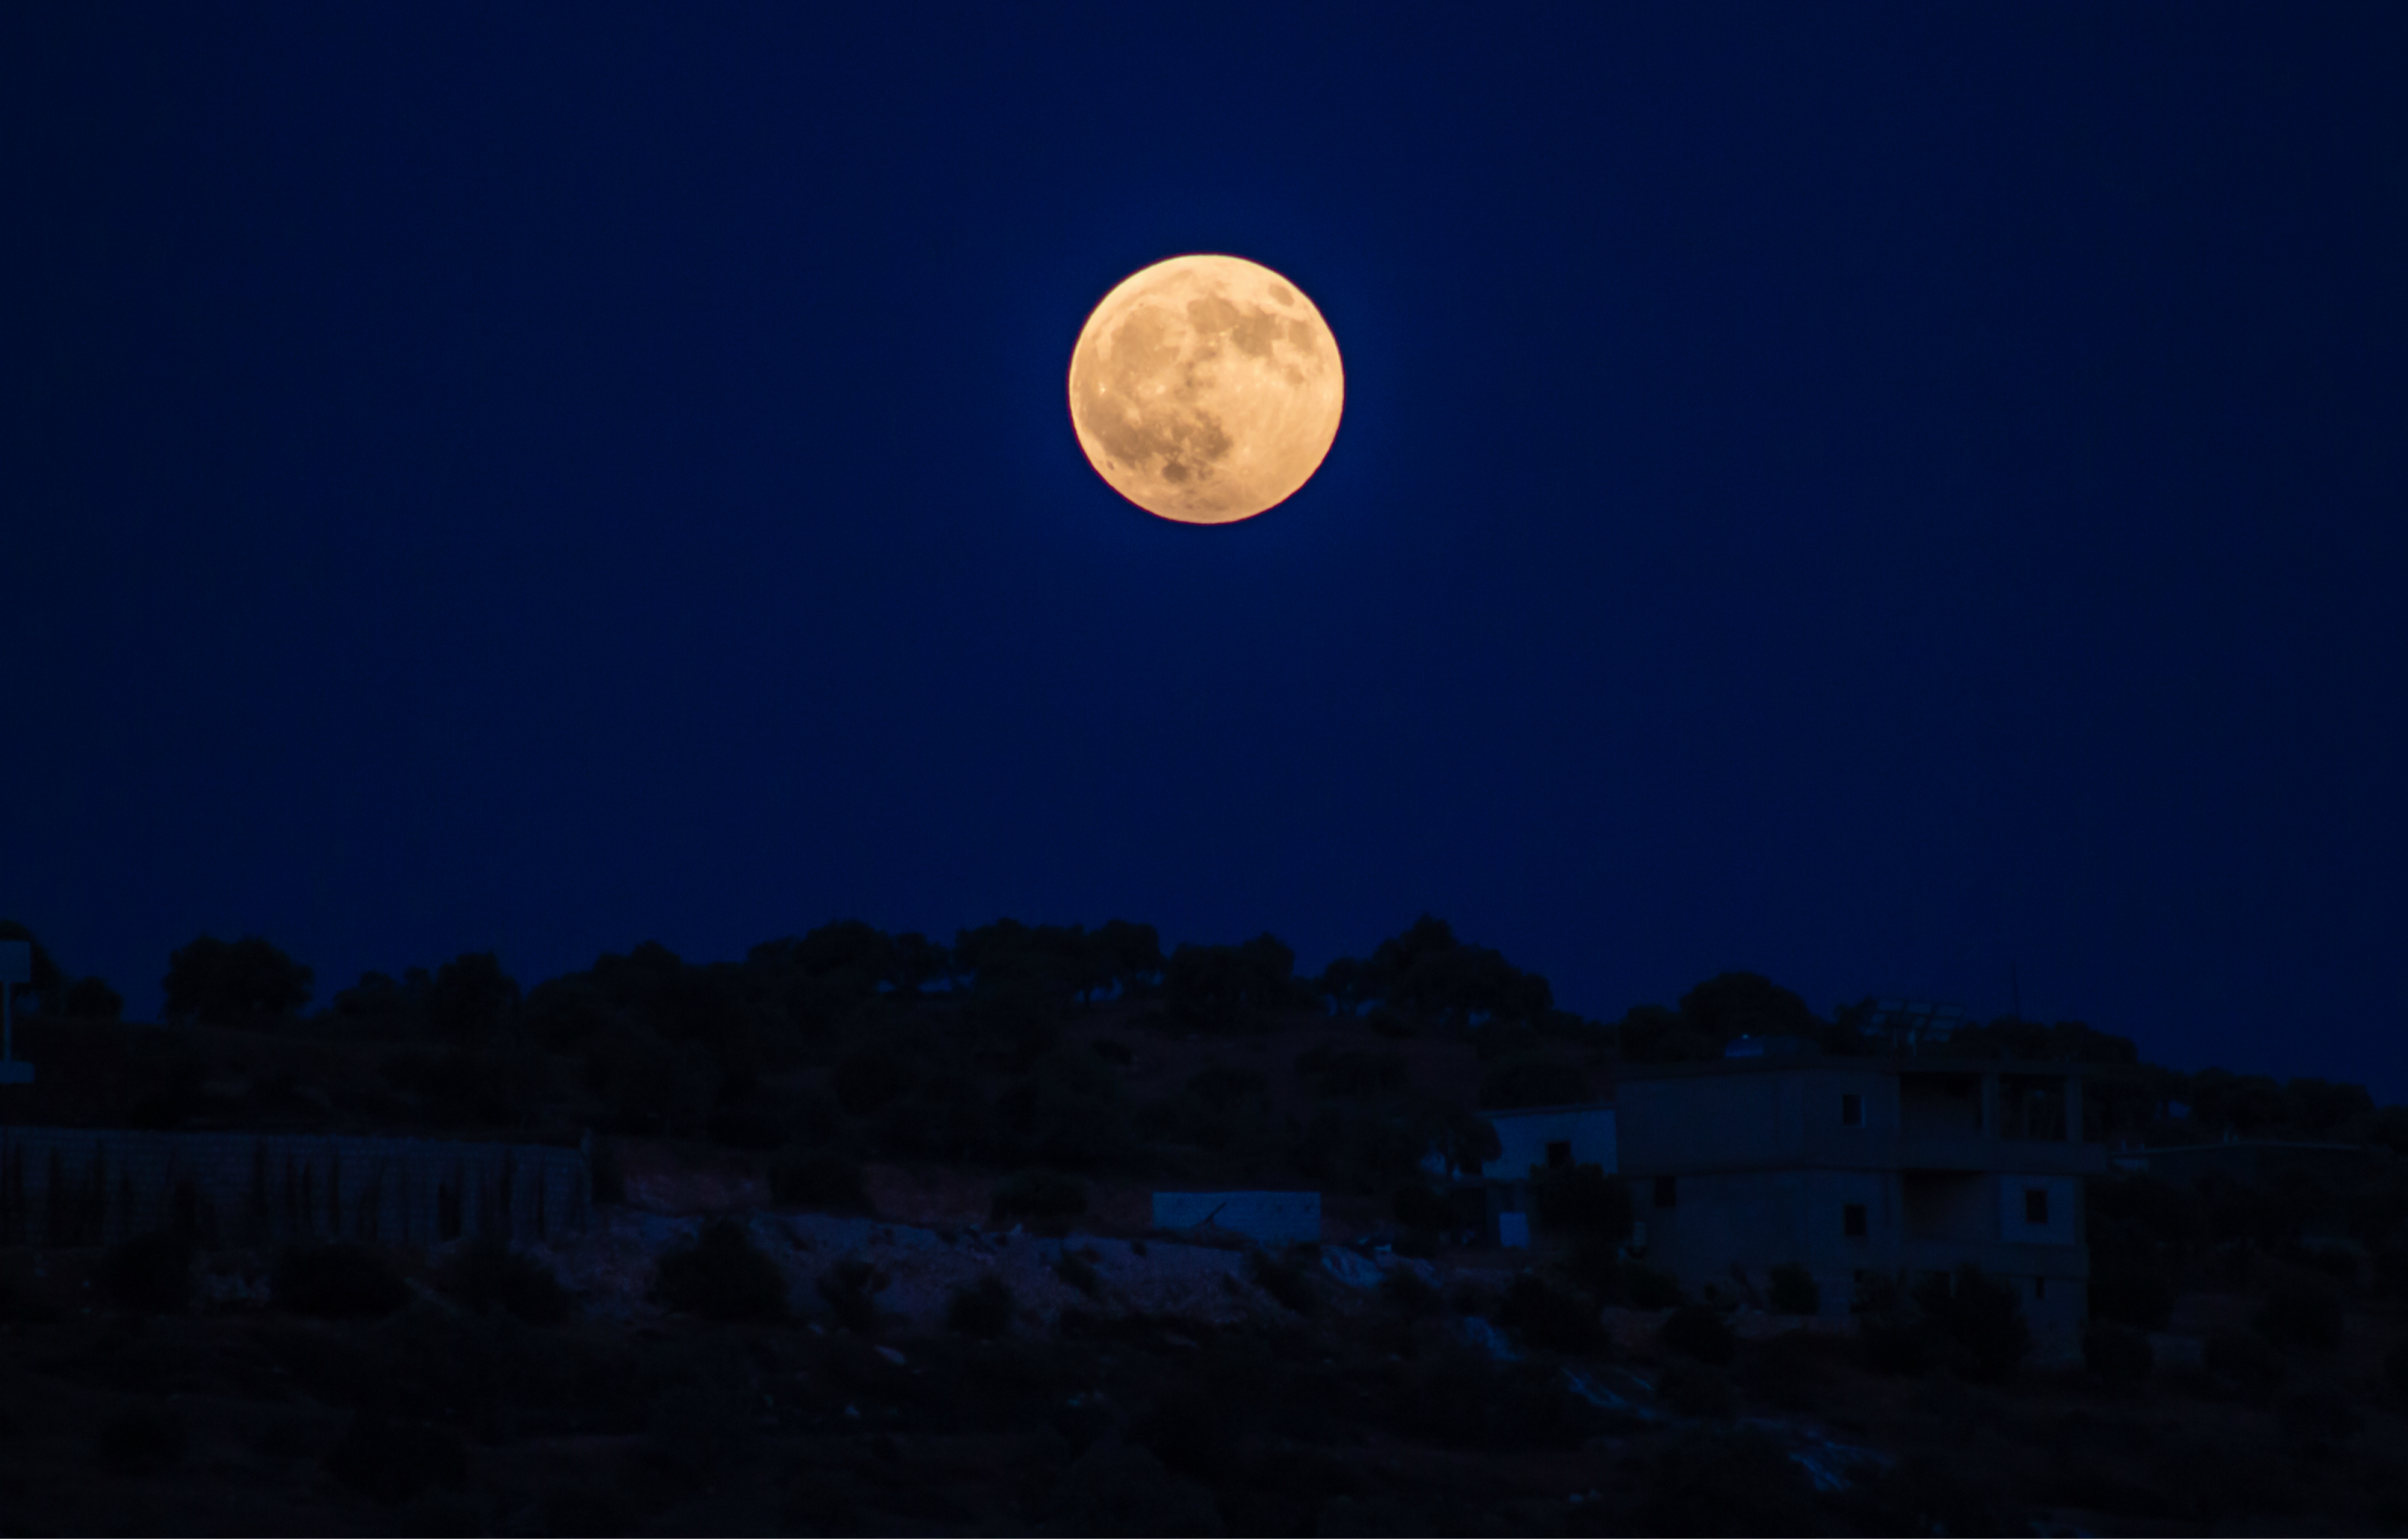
(1851, 1221)
(2035, 1206)
(1665, 1195)
(1852, 1110)
(1559, 1154)
(2040, 1288)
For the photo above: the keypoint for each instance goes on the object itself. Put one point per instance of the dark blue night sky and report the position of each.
(1865, 494)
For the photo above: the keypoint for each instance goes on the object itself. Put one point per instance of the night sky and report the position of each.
(1865, 494)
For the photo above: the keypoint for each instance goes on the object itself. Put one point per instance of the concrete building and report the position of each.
(1857, 1166)
(1552, 1138)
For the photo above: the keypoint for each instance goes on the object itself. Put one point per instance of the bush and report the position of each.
(1699, 1332)
(1645, 1287)
(92, 1000)
(339, 1281)
(1419, 1207)
(1582, 1199)
(1078, 1270)
(1036, 1193)
(150, 1273)
(488, 1275)
(609, 1171)
(2243, 1360)
(983, 1309)
(1552, 1319)
(1795, 1292)
(2130, 1289)
(820, 1179)
(1980, 1320)
(850, 1289)
(2301, 1314)
(1728, 1481)
(1693, 1390)
(394, 1461)
(2118, 1354)
(1409, 1293)
(722, 1277)
(1288, 1279)
(140, 1441)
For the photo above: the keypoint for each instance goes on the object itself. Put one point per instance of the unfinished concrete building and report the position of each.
(1850, 1167)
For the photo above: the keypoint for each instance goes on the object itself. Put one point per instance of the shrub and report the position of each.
(722, 1277)
(609, 1171)
(1419, 1207)
(488, 1275)
(983, 1309)
(2243, 1360)
(1078, 1270)
(1407, 1291)
(2319, 1420)
(1693, 1390)
(1552, 1319)
(851, 1287)
(1040, 1194)
(141, 1440)
(2301, 1314)
(1583, 1199)
(1645, 1287)
(817, 1178)
(1888, 1331)
(1288, 1280)
(1728, 1481)
(1979, 1319)
(1701, 1333)
(2118, 1354)
(2130, 1289)
(394, 1461)
(338, 1281)
(1469, 1297)
(1795, 1292)
(151, 1273)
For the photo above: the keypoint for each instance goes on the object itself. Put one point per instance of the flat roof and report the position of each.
(1555, 1107)
(1868, 1063)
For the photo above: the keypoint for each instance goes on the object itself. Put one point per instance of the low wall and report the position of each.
(97, 1187)
(1273, 1219)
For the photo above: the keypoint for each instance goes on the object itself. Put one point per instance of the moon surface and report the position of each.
(1205, 388)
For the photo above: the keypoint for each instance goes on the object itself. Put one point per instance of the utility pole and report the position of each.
(16, 968)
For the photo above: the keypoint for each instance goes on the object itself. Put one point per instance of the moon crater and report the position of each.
(1205, 388)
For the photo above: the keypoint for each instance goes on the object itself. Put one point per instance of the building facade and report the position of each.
(1852, 1167)
(1536, 1139)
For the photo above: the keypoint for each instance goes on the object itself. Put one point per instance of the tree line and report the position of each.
(667, 1046)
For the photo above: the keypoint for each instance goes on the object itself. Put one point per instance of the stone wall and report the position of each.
(97, 1187)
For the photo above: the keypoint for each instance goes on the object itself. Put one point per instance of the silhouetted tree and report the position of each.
(1214, 988)
(472, 1000)
(91, 999)
(1131, 954)
(1426, 971)
(1733, 1005)
(249, 983)
(379, 1006)
(918, 962)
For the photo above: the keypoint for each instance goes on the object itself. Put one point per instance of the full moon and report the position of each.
(1205, 388)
